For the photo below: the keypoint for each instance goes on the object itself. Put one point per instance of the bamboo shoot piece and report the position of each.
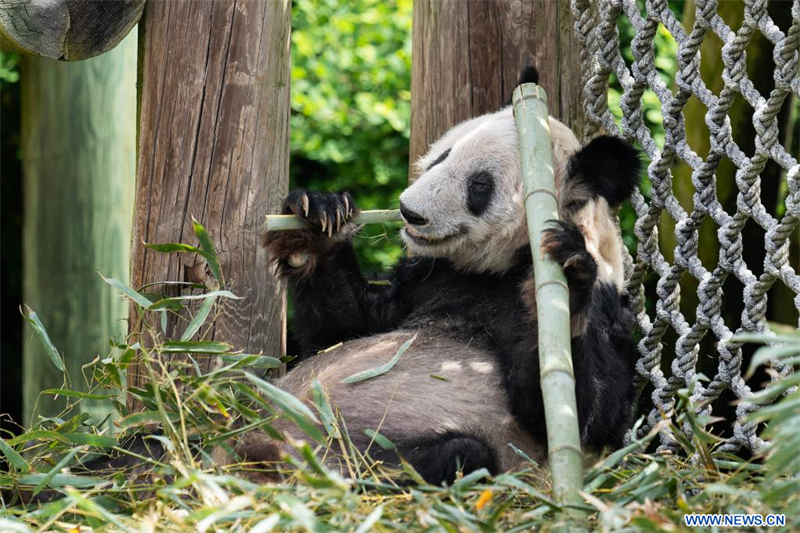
(552, 295)
(378, 216)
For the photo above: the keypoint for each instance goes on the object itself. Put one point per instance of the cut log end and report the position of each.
(68, 30)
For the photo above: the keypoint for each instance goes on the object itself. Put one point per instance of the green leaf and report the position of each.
(324, 408)
(167, 302)
(98, 441)
(78, 394)
(382, 369)
(127, 291)
(38, 434)
(380, 440)
(293, 408)
(251, 361)
(173, 247)
(766, 354)
(14, 459)
(471, 478)
(195, 347)
(136, 419)
(369, 522)
(210, 253)
(199, 319)
(66, 460)
(44, 338)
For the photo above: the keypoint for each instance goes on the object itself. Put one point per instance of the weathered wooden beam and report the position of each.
(79, 157)
(213, 145)
(467, 58)
(70, 30)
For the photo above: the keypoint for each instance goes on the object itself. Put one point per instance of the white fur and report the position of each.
(485, 243)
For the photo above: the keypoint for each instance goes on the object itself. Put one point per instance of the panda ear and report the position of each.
(528, 74)
(608, 167)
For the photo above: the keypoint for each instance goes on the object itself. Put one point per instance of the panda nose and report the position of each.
(412, 217)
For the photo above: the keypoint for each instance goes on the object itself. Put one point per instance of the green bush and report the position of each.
(351, 78)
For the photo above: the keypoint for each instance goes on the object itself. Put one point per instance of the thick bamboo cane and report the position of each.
(552, 295)
(378, 216)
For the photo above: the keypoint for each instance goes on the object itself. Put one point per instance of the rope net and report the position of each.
(596, 26)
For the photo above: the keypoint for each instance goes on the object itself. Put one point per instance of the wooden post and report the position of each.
(467, 57)
(66, 29)
(214, 145)
(79, 147)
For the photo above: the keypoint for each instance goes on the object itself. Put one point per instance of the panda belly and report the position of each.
(439, 389)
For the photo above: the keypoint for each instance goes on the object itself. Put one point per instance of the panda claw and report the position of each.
(324, 221)
(304, 201)
(346, 205)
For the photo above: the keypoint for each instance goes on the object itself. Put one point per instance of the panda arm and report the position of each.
(333, 301)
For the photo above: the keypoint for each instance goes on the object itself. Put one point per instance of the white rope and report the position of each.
(596, 30)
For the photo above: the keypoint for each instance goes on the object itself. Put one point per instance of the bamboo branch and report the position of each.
(552, 295)
(378, 216)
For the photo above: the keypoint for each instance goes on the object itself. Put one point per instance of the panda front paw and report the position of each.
(565, 243)
(326, 212)
(297, 252)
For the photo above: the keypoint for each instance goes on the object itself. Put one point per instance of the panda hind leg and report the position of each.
(565, 243)
(439, 461)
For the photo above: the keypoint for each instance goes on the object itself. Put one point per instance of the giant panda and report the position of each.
(468, 386)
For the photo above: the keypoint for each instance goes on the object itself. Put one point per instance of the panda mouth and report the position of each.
(419, 238)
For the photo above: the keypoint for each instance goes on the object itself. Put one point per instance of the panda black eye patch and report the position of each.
(439, 159)
(480, 188)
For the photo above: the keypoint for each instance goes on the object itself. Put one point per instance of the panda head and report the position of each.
(467, 203)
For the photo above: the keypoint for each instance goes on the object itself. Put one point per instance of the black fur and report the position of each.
(480, 189)
(439, 159)
(608, 167)
(334, 303)
(566, 245)
(528, 74)
(439, 460)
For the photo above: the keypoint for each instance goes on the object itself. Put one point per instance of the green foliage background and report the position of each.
(351, 107)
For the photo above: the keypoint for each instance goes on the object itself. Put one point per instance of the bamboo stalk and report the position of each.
(552, 295)
(378, 216)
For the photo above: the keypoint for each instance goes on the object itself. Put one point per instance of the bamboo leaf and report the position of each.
(167, 302)
(127, 291)
(369, 522)
(14, 459)
(195, 347)
(98, 441)
(380, 440)
(382, 369)
(38, 434)
(44, 338)
(143, 417)
(252, 361)
(199, 319)
(296, 410)
(324, 408)
(771, 353)
(470, 479)
(173, 247)
(210, 253)
(55, 470)
(78, 394)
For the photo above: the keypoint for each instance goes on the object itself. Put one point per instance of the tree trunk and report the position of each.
(467, 57)
(78, 142)
(214, 145)
(66, 29)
